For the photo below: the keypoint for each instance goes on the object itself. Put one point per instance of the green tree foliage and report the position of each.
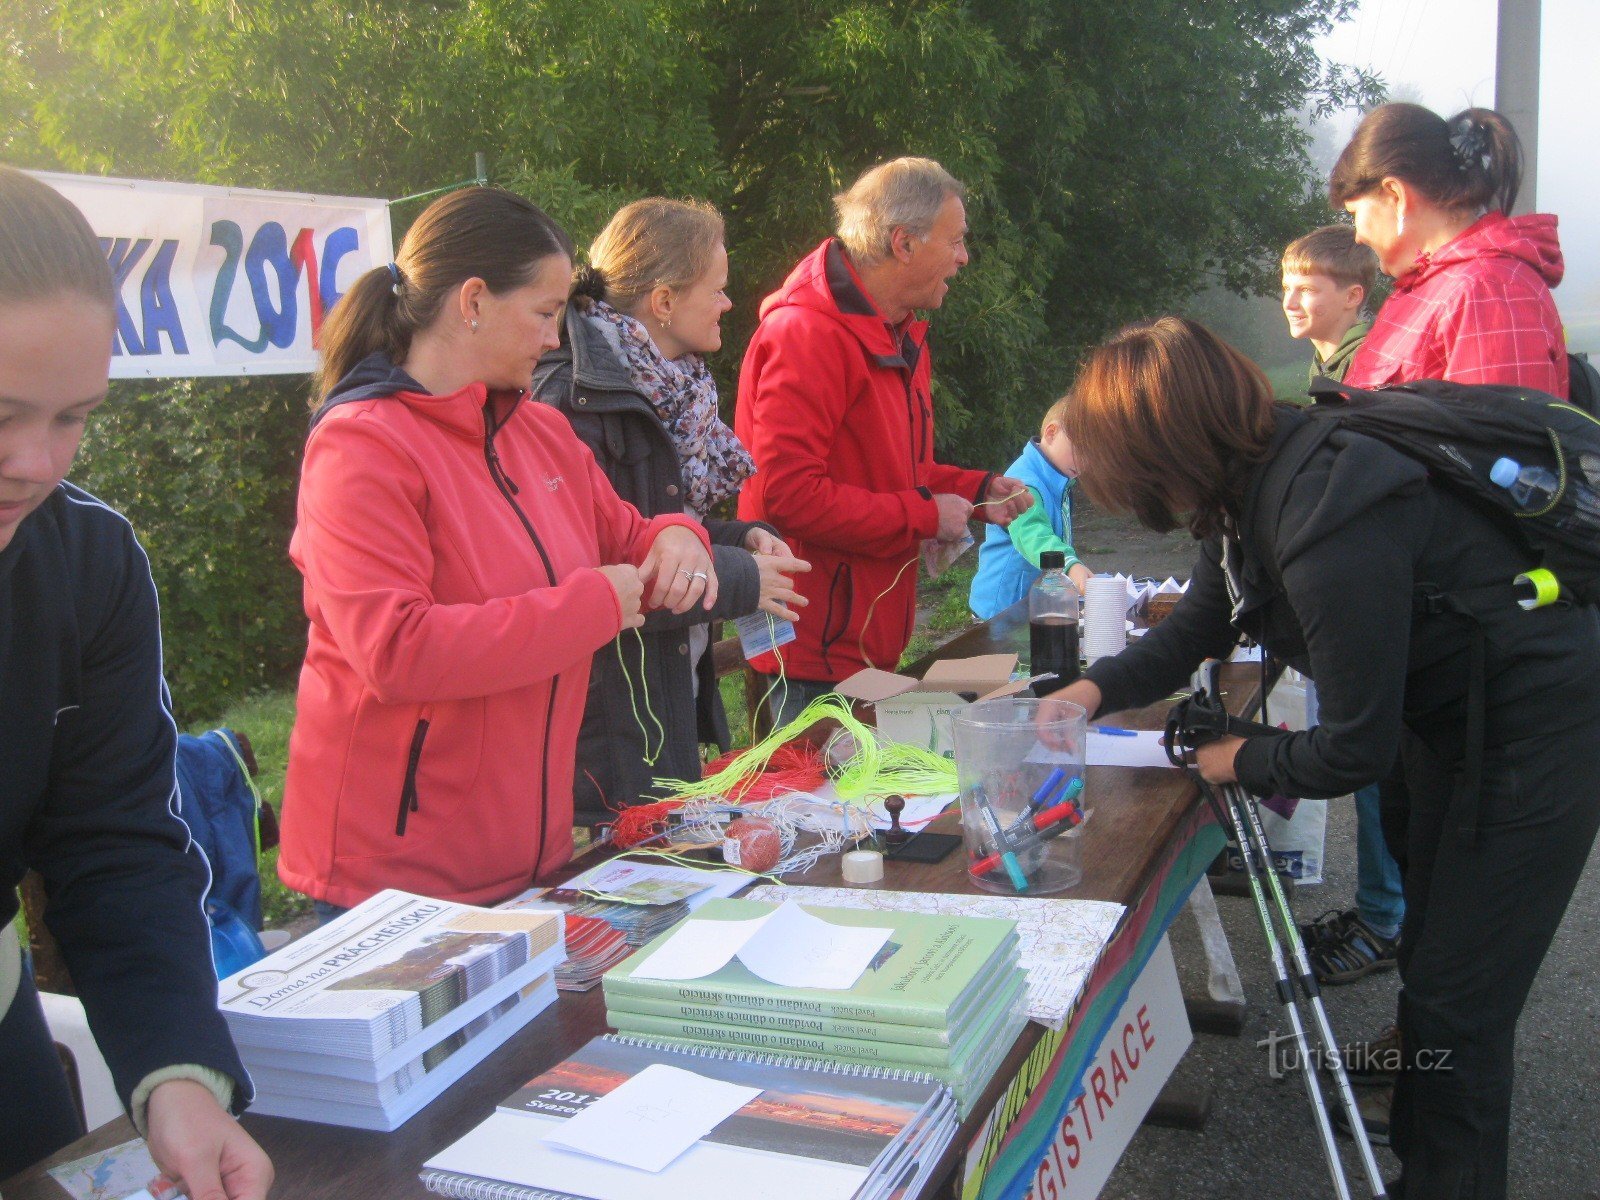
(1120, 154)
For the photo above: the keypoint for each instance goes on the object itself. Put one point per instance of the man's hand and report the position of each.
(680, 568)
(954, 513)
(1005, 500)
(1214, 760)
(629, 586)
(198, 1145)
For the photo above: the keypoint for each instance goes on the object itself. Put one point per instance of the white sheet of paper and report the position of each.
(653, 1118)
(919, 810)
(1143, 749)
(698, 948)
(796, 949)
(788, 946)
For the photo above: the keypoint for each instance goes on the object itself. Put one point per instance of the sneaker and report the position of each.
(1374, 1108)
(1373, 1063)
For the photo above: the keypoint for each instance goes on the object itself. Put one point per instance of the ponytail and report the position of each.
(475, 233)
(1472, 161)
(371, 316)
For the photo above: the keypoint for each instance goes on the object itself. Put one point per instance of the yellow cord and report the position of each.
(1001, 500)
(650, 758)
(861, 641)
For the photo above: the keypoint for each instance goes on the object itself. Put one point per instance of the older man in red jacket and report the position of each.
(836, 407)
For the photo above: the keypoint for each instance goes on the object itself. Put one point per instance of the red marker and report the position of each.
(1052, 822)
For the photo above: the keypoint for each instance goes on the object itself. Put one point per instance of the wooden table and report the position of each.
(1149, 841)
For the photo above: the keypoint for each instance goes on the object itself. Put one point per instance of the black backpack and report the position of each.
(1583, 384)
(1458, 431)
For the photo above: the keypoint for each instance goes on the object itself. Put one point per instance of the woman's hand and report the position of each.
(761, 541)
(680, 569)
(1214, 760)
(629, 586)
(777, 584)
(1052, 711)
(198, 1145)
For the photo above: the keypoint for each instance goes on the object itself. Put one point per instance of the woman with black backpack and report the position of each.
(1169, 420)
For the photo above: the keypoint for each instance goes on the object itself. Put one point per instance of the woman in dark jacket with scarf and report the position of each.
(1167, 419)
(631, 377)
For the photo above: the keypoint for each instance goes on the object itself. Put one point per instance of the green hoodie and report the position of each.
(1338, 362)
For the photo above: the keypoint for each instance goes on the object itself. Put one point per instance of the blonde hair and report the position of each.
(1057, 413)
(904, 193)
(651, 243)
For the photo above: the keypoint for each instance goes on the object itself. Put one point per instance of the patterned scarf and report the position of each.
(684, 396)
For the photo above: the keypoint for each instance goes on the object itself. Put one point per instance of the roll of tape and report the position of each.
(862, 866)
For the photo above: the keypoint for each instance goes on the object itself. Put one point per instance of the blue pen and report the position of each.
(1113, 731)
(1048, 788)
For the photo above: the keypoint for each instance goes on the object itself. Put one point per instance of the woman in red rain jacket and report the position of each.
(463, 559)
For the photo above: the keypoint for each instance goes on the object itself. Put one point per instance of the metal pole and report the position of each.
(480, 168)
(1516, 87)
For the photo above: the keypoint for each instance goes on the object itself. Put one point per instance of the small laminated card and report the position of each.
(760, 632)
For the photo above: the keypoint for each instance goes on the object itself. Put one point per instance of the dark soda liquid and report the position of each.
(1053, 646)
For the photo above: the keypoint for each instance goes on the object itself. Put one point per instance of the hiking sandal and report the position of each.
(1329, 927)
(1352, 953)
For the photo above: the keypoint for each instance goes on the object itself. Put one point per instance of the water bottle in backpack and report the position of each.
(1536, 489)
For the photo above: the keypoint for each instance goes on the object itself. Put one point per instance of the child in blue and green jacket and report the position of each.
(1008, 560)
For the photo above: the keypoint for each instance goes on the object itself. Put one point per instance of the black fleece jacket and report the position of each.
(1360, 527)
(88, 795)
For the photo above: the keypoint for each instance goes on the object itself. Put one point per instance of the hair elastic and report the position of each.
(397, 277)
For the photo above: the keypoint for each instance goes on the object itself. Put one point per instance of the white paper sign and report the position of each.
(650, 1120)
(788, 947)
(224, 281)
(1129, 748)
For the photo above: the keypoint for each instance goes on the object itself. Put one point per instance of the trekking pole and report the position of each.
(1313, 994)
(1202, 718)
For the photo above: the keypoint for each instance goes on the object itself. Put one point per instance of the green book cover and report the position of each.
(923, 975)
(822, 1026)
(868, 1049)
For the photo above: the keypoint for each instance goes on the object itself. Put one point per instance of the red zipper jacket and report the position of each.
(1477, 310)
(454, 606)
(835, 406)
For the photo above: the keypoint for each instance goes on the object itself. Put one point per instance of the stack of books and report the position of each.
(945, 995)
(823, 1131)
(364, 1021)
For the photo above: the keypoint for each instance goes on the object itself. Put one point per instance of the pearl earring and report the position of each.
(473, 324)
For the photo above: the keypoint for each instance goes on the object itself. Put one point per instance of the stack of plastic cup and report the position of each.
(1105, 628)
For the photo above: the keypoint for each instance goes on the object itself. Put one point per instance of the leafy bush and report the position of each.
(206, 472)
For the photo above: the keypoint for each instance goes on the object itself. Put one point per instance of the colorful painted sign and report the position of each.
(224, 281)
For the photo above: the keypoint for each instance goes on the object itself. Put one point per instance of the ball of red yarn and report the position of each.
(752, 843)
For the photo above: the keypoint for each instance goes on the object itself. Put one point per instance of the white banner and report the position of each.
(224, 281)
(1139, 1052)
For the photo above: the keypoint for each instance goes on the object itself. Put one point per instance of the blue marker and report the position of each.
(1113, 731)
(1002, 844)
(1048, 788)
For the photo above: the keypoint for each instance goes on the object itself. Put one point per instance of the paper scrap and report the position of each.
(650, 1120)
(788, 947)
(919, 811)
(796, 949)
(1135, 748)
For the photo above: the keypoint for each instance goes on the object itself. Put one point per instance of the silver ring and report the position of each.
(684, 571)
(700, 575)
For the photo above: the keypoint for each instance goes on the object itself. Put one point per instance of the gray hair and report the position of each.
(904, 193)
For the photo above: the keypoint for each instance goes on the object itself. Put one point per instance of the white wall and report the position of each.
(1569, 158)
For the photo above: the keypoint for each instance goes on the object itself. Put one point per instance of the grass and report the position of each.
(944, 603)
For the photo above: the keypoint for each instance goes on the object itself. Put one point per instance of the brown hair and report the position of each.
(477, 232)
(1472, 161)
(651, 243)
(1333, 251)
(1167, 418)
(46, 246)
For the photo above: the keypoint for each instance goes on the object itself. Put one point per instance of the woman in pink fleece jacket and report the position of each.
(463, 560)
(1471, 300)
